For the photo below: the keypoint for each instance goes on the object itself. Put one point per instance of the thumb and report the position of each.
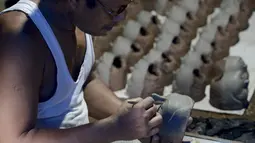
(155, 139)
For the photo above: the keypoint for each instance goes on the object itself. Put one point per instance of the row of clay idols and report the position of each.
(228, 87)
(141, 31)
(223, 30)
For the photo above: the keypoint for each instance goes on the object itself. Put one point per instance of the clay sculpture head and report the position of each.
(198, 10)
(240, 12)
(162, 6)
(131, 51)
(101, 45)
(199, 61)
(218, 37)
(230, 23)
(146, 79)
(136, 33)
(190, 81)
(171, 26)
(149, 21)
(231, 64)
(213, 3)
(184, 17)
(179, 47)
(166, 63)
(112, 70)
(175, 112)
(230, 91)
(148, 5)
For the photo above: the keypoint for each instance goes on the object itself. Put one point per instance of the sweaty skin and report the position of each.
(29, 77)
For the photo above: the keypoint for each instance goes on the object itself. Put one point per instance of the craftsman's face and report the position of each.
(101, 18)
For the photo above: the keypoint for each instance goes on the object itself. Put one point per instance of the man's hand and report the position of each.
(138, 121)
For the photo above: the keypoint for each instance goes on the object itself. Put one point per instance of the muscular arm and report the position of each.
(21, 74)
(102, 102)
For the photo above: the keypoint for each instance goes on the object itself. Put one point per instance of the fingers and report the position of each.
(146, 103)
(153, 132)
(156, 121)
(155, 139)
(151, 112)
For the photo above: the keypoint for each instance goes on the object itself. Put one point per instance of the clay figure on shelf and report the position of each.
(231, 64)
(230, 24)
(218, 38)
(135, 32)
(149, 21)
(199, 61)
(131, 51)
(229, 91)
(179, 47)
(213, 3)
(166, 63)
(162, 6)
(112, 70)
(146, 79)
(175, 111)
(190, 81)
(239, 10)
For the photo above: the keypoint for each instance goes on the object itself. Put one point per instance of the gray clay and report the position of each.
(190, 81)
(175, 112)
(230, 91)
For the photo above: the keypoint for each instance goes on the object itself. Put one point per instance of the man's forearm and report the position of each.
(102, 102)
(103, 131)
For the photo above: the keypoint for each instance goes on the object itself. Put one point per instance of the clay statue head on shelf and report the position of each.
(229, 91)
(191, 82)
(179, 47)
(132, 51)
(112, 70)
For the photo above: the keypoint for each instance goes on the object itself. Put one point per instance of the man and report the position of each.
(44, 77)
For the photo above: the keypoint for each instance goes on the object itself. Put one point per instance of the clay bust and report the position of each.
(231, 64)
(136, 33)
(240, 12)
(112, 70)
(218, 38)
(175, 112)
(146, 79)
(230, 24)
(213, 3)
(149, 21)
(179, 47)
(166, 62)
(190, 81)
(229, 91)
(131, 51)
(199, 61)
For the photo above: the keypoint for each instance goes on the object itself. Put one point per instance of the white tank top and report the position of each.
(67, 108)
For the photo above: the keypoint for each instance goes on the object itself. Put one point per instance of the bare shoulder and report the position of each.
(18, 46)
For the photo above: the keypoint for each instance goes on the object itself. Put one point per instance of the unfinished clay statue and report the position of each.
(199, 61)
(231, 64)
(131, 51)
(162, 6)
(190, 81)
(240, 12)
(185, 17)
(179, 47)
(230, 91)
(166, 62)
(213, 3)
(218, 38)
(211, 49)
(146, 79)
(175, 111)
(230, 24)
(112, 70)
(148, 5)
(149, 21)
(171, 26)
(136, 33)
